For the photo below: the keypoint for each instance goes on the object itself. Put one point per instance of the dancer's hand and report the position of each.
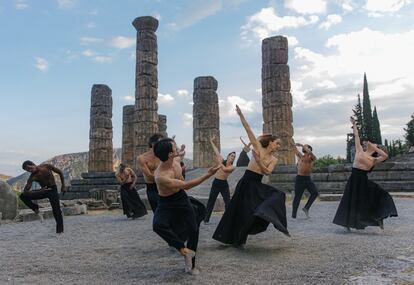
(212, 170)
(256, 155)
(352, 119)
(239, 112)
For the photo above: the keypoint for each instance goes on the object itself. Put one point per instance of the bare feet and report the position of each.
(40, 215)
(188, 258)
(194, 271)
(306, 211)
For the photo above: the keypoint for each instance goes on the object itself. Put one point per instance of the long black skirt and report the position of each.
(253, 206)
(131, 203)
(364, 203)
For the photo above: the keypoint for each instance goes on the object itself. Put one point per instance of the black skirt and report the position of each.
(253, 206)
(364, 203)
(131, 203)
(243, 159)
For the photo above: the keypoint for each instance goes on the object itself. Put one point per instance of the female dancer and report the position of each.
(254, 205)
(220, 184)
(364, 202)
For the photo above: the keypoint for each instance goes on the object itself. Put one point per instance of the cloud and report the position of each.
(103, 59)
(21, 4)
(195, 12)
(266, 22)
(93, 12)
(66, 4)
(88, 53)
(89, 40)
(187, 119)
(129, 98)
(379, 7)
(41, 64)
(307, 6)
(91, 25)
(165, 99)
(121, 42)
(346, 5)
(330, 20)
(292, 41)
(183, 93)
(228, 106)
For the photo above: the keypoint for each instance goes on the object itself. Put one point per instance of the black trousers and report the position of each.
(302, 183)
(131, 202)
(53, 196)
(152, 194)
(218, 186)
(173, 215)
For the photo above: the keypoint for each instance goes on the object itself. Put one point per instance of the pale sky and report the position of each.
(53, 51)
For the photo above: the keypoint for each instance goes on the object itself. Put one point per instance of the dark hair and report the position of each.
(309, 147)
(154, 138)
(181, 163)
(27, 163)
(121, 165)
(162, 148)
(225, 161)
(266, 139)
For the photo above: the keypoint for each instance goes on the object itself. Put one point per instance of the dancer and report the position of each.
(43, 175)
(254, 205)
(364, 203)
(147, 163)
(175, 213)
(244, 159)
(303, 178)
(220, 184)
(131, 202)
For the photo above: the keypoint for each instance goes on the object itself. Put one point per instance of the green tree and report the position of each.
(359, 117)
(376, 128)
(367, 112)
(409, 132)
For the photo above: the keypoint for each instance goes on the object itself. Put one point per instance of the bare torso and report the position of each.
(223, 175)
(126, 176)
(363, 161)
(174, 172)
(265, 158)
(149, 161)
(43, 176)
(305, 165)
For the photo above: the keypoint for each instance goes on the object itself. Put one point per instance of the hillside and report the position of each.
(4, 177)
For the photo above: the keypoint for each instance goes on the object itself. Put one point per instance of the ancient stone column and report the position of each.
(276, 96)
(162, 125)
(100, 134)
(206, 120)
(146, 83)
(127, 156)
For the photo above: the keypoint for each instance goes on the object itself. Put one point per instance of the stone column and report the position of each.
(206, 120)
(100, 134)
(162, 125)
(276, 96)
(146, 84)
(127, 156)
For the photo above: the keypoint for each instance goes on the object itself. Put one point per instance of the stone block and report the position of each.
(8, 201)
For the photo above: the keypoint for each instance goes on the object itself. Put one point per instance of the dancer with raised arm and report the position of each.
(43, 175)
(303, 179)
(364, 203)
(175, 213)
(254, 205)
(243, 159)
(220, 184)
(132, 204)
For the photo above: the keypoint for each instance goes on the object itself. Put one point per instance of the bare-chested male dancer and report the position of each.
(303, 178)
(42, 174)
(175, 210)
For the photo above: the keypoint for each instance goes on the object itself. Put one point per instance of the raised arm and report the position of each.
(307, 149)
(186, 185)
(267, 170)
(58, 171)
(252, 138)
(382, 155)
(246, 147)
(219, 158)
(358, 146)
(295, 149)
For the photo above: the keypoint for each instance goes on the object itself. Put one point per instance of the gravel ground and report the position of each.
(106, 248)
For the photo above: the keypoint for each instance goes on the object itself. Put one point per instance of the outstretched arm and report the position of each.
(219, 158)
(58, 171)
(294, 146)
(358, 146)
(246, 147)
(253, 140)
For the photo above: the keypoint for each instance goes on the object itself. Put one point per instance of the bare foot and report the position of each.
(40, 215)
(188, 258)
(306, 211)
(194, 271)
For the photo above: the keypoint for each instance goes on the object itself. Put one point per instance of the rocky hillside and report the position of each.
(4, 177)
(72, 165)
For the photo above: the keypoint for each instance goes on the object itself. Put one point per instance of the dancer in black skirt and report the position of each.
(364, 203)
(254, 205)
(176, 217)
(220, 184)
(131, 202)
(243, 159)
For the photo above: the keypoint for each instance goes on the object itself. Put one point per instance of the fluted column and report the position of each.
(128, 135)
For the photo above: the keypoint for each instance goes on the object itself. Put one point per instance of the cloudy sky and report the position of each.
(53, 51)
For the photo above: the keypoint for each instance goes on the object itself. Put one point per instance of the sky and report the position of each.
(53, 51)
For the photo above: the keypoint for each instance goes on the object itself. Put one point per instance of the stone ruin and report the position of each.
(206, 120)
(8, 202)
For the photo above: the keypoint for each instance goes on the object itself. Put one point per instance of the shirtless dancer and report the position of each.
(174, 208)
(303, 178)
(42, 174)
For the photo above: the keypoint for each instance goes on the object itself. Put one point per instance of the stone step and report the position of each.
(97, 181)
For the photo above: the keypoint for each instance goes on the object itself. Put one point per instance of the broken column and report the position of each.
(128, 135)
(276, 96)
(146, 84)
(100, 133)
(206, 120)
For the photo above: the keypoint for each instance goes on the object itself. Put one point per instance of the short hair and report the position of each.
(27, 163)
(266, 139)
(162, 148)
(309, 147)
(121, 165)
(154, 138)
